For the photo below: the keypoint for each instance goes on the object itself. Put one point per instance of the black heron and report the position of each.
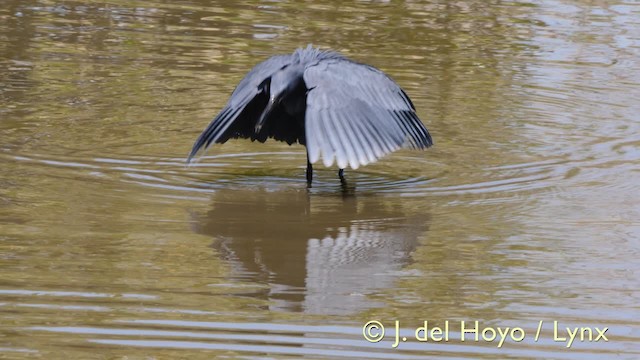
(339, 109)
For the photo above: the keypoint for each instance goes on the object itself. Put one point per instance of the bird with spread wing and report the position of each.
(341, 110)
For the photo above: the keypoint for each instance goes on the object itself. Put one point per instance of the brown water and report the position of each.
(526, 210)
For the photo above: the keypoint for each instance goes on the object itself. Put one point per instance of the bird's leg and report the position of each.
(341, 175)
(309, 172)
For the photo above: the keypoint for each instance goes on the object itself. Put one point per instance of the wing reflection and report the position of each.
(317, 254)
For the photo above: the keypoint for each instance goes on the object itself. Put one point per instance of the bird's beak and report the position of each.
(267, 110)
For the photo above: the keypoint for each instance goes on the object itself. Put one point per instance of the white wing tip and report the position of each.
(327, 160)
(313, 152)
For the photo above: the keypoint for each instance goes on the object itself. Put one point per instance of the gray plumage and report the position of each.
(341, 110)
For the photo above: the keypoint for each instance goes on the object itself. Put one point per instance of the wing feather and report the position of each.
(357, 114)
(360, 146)
(216, 128)
(408, 128)
(368, 136)
(246, 91)
(423, 138)
(334, 138)
(375, 137)
(314, 147)
(350, 142)
(248, 86)
(222, 124)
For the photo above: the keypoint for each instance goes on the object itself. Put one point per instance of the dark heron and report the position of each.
(339, 109)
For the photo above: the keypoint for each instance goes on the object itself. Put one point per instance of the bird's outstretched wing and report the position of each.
(239, 108)
(357, 114)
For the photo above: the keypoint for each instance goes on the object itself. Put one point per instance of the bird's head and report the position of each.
(285, 82)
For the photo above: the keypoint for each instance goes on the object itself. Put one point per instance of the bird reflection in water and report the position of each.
(315, 254)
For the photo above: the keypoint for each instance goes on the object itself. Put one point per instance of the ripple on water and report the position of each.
(402, 175)
(249, 338)
(411, 174)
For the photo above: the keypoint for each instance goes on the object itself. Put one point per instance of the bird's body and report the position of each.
(339, 109)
